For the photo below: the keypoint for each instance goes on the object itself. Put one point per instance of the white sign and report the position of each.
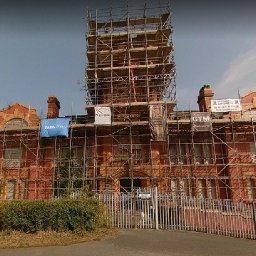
(226, 105)
(102, 115)
(156, 111)
(201, 121)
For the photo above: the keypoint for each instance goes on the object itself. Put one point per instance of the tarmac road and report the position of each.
(148, 243)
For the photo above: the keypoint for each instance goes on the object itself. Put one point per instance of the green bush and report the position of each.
(61, 215)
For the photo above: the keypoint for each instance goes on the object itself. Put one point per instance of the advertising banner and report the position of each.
(201, 121)
(226, 105)
(54, 127)
(102, 115)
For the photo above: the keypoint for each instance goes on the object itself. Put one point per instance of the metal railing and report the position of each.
(163, 211)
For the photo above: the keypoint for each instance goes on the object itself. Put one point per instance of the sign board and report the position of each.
(102, 115)
(54, 127)
(156, 112)
(144, 195)
(201, 121)
(226, 105)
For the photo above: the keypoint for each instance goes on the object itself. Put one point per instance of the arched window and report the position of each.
(16, 123)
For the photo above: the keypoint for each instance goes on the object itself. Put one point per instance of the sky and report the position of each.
(43, 48)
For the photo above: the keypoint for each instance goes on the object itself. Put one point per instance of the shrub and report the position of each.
(61, 215)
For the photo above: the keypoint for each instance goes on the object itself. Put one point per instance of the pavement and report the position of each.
(148, 243)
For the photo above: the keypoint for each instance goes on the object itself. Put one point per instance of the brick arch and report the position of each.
(18, 111)
(16, 123)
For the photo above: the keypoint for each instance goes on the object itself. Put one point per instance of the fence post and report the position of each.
(156, 207)
(254, 217)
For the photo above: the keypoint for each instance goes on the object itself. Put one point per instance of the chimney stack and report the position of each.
(204, 98)
(53, 107)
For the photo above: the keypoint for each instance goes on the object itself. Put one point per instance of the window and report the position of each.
(89, 156)
(22, 189)
(253, 151)
(180, 187)
(251, 188)
(201, 188)
(70, 158)
(123, 152)
(139, 155)
(207, 151)
(12, 158)
(183, 187)
(173, 154)
(69, 170)
(174, 191)
(16, 123)
(1, 189)
(10, 190)
(179, 154)
(203, 153)
(198, 154)
(206, 188)
(183, 154)
(211, 188)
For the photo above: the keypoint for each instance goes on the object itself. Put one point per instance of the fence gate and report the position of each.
(131, 210)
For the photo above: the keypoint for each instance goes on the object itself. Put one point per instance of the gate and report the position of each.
(130, 210)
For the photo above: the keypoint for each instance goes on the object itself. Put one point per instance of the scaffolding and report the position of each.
(214, 164)
(131, 70)
(129, 57)
(130, 73)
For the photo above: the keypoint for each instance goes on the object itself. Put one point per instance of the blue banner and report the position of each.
(54, 127)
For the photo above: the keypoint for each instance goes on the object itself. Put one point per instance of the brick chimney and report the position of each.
(204, 98)
(53, 107)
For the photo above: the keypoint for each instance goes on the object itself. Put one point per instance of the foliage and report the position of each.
(61, 215)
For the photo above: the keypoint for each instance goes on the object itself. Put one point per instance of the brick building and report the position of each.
(131, 137)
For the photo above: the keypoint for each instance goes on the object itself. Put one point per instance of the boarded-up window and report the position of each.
(12, 157)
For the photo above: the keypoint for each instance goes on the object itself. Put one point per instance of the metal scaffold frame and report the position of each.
(223, 158)
(131, 72)
(130, 68)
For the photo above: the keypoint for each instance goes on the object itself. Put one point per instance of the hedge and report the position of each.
(61, 215)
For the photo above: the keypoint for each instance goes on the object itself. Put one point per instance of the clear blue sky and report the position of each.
(43, 47)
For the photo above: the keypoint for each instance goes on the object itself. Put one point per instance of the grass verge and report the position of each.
(16, 239)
